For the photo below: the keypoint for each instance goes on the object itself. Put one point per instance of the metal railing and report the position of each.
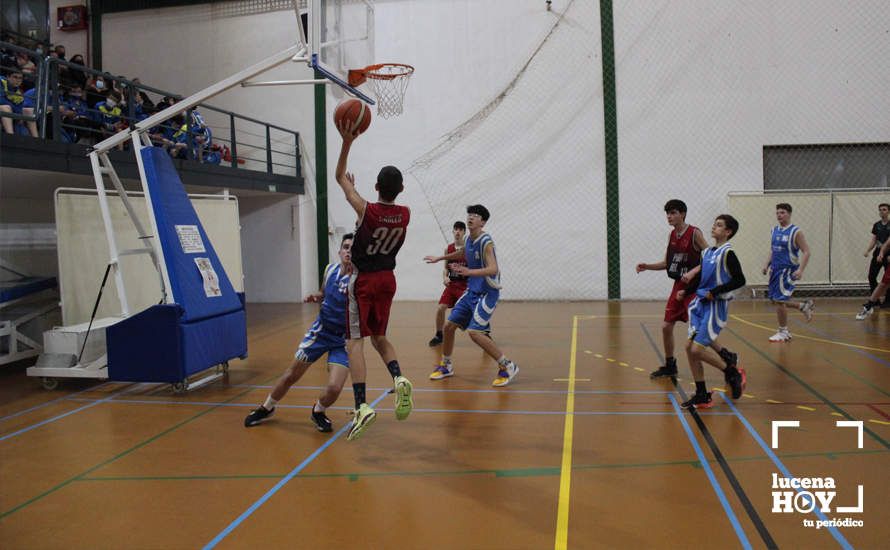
(211, 135)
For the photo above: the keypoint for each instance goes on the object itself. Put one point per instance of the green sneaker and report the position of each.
(364, 417)
(404, 402)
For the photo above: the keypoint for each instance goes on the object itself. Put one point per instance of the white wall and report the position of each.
(702, 86)
(270, 249)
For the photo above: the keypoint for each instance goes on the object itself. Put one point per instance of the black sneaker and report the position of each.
(258, 415)
(731, 359)
(321, 421)
(435, 341)
(698, 401)
(737, 380)
(665, 371)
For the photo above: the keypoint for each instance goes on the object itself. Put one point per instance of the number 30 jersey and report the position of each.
(379, 235)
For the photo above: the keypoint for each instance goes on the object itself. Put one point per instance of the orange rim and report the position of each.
(357, 77)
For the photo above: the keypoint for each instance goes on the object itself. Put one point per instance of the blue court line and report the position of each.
(831, 337)
(61, 416)
(769, 452)
(56, 400)
(707, 467)
(247, 513)
(479, 411)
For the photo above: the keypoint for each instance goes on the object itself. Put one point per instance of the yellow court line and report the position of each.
(576, 379)
(879, 422)
(823, 340)
(565, 474)
(811, 409)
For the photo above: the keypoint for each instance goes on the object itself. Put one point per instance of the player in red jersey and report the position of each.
(455, 285)
(379, 234)
(683, 254)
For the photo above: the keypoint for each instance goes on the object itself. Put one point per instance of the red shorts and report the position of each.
(678, 310)
(886, 278)
(370, 299)
(452, 293)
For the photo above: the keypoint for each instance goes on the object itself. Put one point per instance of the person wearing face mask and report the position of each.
(109, 113)
(97, 90)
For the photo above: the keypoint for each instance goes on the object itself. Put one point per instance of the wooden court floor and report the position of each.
(581, 451)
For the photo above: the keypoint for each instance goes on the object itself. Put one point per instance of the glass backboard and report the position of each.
(341, 37)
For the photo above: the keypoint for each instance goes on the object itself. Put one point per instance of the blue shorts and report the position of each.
(781, 285)
(706, 319)
(319, 341)
(474, 310)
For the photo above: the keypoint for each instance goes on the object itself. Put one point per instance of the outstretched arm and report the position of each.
(456, 255)
(344, 178)
(652, 267)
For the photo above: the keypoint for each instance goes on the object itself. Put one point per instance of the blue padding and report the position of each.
(146, 347)
(213, 341)
(172, 207)
(156, 346)
(19, 288)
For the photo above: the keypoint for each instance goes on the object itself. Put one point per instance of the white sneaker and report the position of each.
(506, 374)
(865, 313)
(781, 336)
(807, 309)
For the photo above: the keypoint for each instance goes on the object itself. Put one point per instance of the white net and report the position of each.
(389, 82)
(533, 156)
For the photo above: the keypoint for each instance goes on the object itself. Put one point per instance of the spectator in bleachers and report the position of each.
(175, 136)
(12, 99)
(142, 98)
(108, 115)
(73, 76)
(28, 68)
(77, 115)
(97, 89)
(60, 51)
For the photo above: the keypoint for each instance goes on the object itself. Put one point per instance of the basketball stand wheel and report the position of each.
(49, 383)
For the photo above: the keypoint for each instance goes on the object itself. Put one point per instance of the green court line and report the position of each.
(516, 472)
(124, 453)
(856, 376)
(806, 386)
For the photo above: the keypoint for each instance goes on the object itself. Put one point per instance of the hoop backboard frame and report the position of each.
(341, 37)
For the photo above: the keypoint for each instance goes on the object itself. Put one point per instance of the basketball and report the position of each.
(356, 114)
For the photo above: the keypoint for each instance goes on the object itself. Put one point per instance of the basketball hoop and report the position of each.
(389, 81)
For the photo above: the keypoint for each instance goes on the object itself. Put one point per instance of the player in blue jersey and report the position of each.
(788, 257)
(326, 335)
(720, 274)
(473, 311)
